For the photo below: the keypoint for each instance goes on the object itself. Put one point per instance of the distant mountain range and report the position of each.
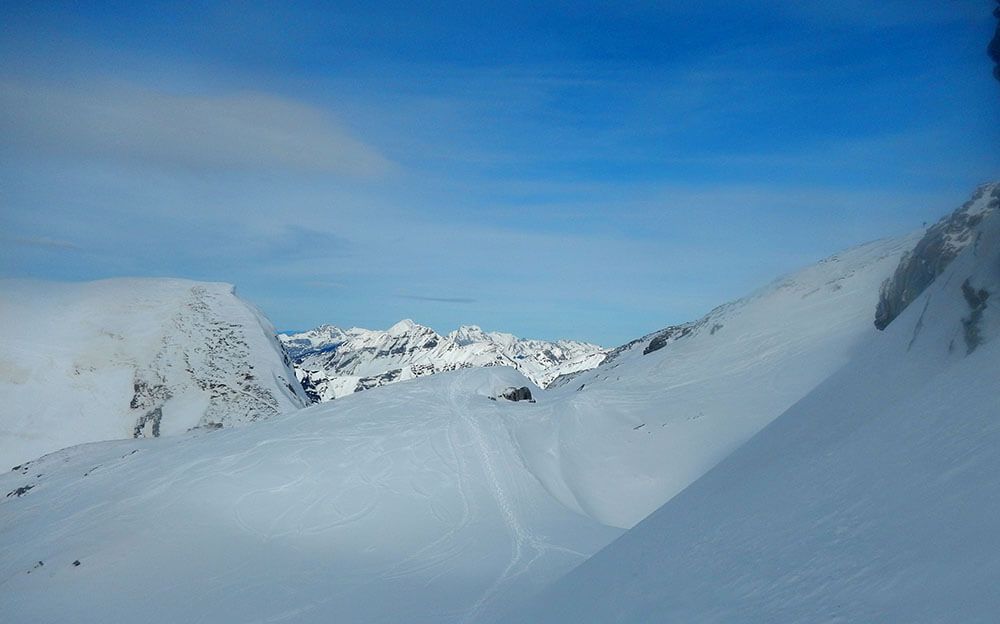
(332, 362)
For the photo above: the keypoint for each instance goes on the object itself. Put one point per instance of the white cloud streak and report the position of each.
(236, 131)
(46, 243)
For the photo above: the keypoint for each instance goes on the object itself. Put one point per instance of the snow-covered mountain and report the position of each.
(876, 498)
(426, 501)
(423, 500)
(331, 362)
(126, 358)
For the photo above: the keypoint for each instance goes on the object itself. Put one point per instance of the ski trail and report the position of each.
(519, 535)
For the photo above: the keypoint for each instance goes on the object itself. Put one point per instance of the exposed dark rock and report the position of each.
(76, 563)
(931, 256)
(151, 418)
(145, 394)
(666, 336)
(309, 386)
(19, 492)
(976, 299)
(517, 394)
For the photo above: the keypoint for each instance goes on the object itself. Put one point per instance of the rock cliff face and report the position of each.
(132, 358)
(940, 245)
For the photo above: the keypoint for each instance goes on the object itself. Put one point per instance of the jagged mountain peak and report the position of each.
(404, 327)
(468, 334)
(360, 359)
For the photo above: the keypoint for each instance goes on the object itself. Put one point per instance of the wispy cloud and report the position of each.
(438, 299)
(46, 243)
(240, 131)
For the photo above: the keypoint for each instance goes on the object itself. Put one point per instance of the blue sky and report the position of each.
(581, 170)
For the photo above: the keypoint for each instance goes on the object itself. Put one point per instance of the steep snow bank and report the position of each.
(618, 441)
(874, 499)
(126, 358)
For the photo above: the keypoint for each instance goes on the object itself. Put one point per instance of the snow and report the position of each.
(420, 501)
(800, 466)
(323, 337)
(658, 421)
(876, 498)
(85, 362)
(408, 503)
(401, 328)
(332, 363)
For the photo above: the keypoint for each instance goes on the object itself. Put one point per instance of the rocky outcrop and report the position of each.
(517, 394)
(976, 300)
(940, 245)
(666, 336)
(122, 358)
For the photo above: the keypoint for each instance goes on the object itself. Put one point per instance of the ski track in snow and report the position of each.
(514, 527)
(523, 540)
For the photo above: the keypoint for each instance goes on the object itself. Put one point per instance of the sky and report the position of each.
(580, 170)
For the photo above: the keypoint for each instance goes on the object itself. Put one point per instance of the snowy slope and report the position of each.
(331, 362)
(425, 501)
(403, 504)
(874, 499)
(131, 357)
(422, 501)
(664, 409)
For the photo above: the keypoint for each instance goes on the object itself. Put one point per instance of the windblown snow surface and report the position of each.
(422, 501)
(402, 504)
(616, 442)
(123, 358)
(876, 498)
